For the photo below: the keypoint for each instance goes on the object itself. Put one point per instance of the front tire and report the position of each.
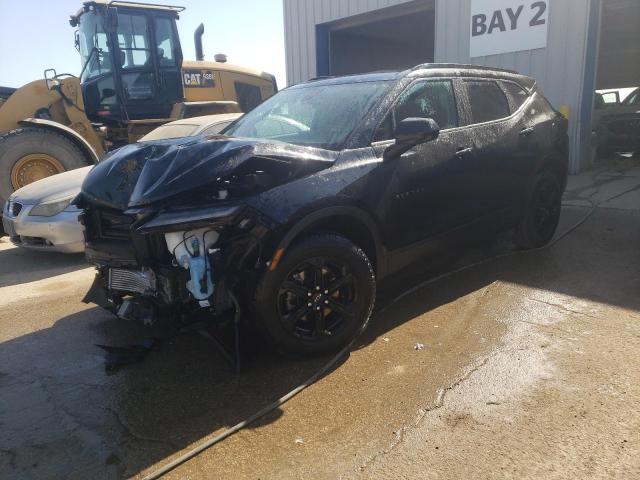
(542, 212)
(319, 297)
(30, 154)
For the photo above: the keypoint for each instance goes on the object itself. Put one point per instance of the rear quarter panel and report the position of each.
(551, 139)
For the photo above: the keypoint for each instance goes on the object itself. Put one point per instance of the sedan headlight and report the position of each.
(50, 209)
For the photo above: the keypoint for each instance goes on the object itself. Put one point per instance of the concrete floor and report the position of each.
(529, 370)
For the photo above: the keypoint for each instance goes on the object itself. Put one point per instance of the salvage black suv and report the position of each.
(301, 205)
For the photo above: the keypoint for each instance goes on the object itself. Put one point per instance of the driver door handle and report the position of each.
(462, 151)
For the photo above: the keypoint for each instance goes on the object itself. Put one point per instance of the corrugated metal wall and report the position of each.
(300, 19)
(559, 68)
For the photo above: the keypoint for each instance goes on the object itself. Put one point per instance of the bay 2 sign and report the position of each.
(502, 26)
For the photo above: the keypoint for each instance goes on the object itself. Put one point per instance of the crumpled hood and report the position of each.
(143, 173)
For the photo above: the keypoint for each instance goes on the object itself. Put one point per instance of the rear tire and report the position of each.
(319, 298)
(605, 153)
(542, 212)
(29, 154)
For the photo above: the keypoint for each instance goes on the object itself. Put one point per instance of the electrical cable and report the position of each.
(327, 366)
(184, 240)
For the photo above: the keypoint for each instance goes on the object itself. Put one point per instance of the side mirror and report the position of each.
(50, 78)
(411, 132)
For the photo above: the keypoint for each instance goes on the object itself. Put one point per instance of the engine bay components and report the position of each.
(190, 251)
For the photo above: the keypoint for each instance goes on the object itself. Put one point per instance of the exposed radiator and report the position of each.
(142, 282)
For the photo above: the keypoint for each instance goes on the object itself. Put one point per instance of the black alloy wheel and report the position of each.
(318, 298)
(542, 213)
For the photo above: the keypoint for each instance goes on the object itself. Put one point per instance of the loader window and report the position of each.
(94, 47)
(165, 42)
(248, 96)
(133, 41)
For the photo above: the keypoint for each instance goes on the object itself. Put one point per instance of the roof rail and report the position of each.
(321, 77)
(125, 3)
(462, 66)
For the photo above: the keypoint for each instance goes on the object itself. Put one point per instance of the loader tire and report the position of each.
(29, 154)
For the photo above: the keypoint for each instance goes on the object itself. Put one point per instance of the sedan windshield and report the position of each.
(313, 115)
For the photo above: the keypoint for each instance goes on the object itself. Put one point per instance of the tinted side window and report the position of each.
(633, 99)
(424, 99)
(249, 96)
(518, 94)
(487, 101)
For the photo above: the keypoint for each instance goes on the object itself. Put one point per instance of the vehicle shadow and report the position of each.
(19, 266)
(88, 423)
(63, 416)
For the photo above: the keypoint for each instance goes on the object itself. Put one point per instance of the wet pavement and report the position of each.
(528, 369)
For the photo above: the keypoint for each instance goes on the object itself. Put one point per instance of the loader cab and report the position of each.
(131, 61)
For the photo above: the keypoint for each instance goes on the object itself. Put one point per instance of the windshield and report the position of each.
(315, 115)
(91, 35)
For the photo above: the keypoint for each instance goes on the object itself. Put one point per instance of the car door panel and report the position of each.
(495, 137)
(427, 192)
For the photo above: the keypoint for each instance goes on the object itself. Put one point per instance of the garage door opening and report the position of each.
(391, 39)
(616, 115)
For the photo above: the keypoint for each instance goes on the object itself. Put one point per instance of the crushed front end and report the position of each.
(168, 228)
(172, 268)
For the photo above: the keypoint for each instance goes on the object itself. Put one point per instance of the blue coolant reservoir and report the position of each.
(200, 285)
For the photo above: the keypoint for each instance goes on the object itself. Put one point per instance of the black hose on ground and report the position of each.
(334, 360)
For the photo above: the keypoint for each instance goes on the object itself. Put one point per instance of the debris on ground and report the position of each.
(418, 346)
(118, 356)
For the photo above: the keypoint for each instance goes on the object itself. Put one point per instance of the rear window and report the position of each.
(487, 101)
(249, 96)
(517, 94)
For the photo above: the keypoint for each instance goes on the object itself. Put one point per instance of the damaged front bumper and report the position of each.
(174, 263)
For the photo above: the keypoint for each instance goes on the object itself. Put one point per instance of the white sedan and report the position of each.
(40, 216)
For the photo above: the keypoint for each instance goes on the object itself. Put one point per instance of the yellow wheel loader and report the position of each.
(133, 79)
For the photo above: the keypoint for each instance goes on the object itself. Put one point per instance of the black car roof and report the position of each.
(357, 78)
(464, 70)
(429, 70)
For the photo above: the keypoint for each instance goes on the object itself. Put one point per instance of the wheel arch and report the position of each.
(71, 135)
(347, 221)
(558, 164)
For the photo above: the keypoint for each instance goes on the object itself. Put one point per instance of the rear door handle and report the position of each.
(462, 151)
(525, 132)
